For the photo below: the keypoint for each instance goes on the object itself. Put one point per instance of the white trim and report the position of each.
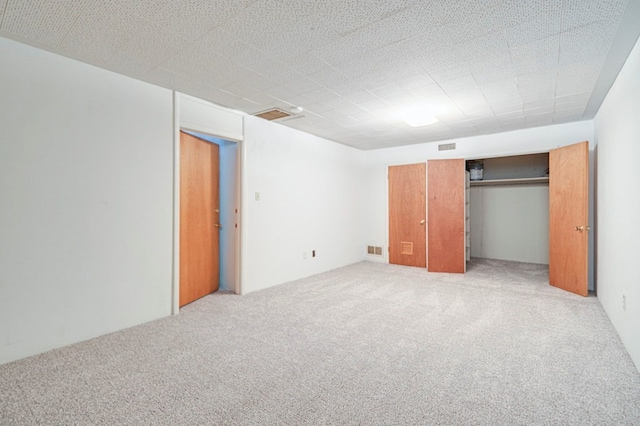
(243, 219)
(238, 217)
(175, 306)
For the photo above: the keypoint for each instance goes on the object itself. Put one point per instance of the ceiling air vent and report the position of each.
(273, 114)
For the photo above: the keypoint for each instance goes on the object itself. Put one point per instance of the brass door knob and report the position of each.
(217, 225)
(422, 222)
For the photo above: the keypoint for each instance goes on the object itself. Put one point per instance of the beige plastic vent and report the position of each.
(273, 114)
(375, 250)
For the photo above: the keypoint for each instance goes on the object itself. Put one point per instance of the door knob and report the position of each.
(217, 225)
(422, 222)
(579, 228)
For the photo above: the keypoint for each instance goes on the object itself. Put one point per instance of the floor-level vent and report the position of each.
(374, 250)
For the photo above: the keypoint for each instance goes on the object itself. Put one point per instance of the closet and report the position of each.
(509, 209)
(514, 195)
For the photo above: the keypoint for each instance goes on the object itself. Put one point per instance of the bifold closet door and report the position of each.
(446, 215)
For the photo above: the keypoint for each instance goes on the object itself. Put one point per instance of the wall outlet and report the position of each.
(624, 303)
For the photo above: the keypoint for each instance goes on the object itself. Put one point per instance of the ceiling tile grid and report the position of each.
(44, 25)
(352, 65)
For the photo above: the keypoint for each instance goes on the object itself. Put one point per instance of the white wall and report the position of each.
(86, 201)
(310, 198)
(617, 130)
(528, 141)
(510, 223)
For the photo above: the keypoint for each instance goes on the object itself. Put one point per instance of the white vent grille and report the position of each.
(446, 146)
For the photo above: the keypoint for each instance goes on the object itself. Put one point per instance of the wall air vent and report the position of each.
(273, 114)
(374, 250)
(446, 146)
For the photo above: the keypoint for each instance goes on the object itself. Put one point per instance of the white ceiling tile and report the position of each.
(154, 44)
(284, 35)
(193, 19)
(44, 24)
(130, 65)
(416, 81)
(328, 77)
(348, 16)
(543, 103)
(497, 64)
(537, 55)
(306, 63)
(426, 92)
(299, 86)
(360, 96)
(452, 115)
(578, 13)
(223, 43)
(588, 43)
(101, 30)
(457, 83)
(539, 119)
(580, 98)
(532, 20)
(500, 89)
(490, 44)
(347, 87)
(510, 117)
(321, 95)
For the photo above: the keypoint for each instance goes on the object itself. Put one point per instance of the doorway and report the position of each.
(218, 254)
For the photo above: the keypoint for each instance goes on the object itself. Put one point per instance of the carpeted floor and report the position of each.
(366, 344)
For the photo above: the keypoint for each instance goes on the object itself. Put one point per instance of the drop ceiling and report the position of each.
(486, 66)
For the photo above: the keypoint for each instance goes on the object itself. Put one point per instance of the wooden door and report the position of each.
(569, 218)
(446, 215)
(199, 217)
(407, 210)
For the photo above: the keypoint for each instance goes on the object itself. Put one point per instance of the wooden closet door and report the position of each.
(446, 215)
(407, 210)
(569, 218)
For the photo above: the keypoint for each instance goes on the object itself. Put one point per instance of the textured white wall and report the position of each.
(311, 198)
(539, 139)
(86, 201)
(617, 129)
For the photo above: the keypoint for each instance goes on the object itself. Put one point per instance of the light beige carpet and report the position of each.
(365, 344)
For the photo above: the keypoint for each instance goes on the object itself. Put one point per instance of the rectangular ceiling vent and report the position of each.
(273, 114)
(446, 146)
